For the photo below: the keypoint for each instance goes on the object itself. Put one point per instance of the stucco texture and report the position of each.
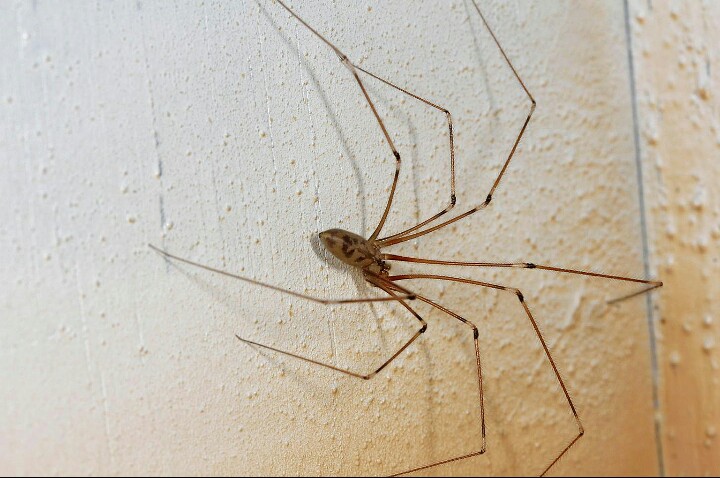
(677, 75)
(226, 133)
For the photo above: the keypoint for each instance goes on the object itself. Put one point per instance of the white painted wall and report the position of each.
(227, 134)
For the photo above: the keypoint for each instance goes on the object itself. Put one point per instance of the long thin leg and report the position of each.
(387, 287)
(480, 390)
(405, 235)
(521, 298)
(650, 285)
(448, 116)
(350, 66)
(408, 296)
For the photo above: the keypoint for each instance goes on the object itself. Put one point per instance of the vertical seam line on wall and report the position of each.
(646, 250)
(155, 138)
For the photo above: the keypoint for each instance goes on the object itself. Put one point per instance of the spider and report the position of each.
(369, 256)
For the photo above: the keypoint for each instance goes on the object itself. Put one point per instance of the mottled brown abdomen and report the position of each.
(352, 249)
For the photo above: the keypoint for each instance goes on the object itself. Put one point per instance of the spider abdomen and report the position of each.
(351, 248)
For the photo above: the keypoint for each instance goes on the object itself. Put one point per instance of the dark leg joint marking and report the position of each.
(520, 296)
(487, 200)
(397, 155)
(476, 334)
(453, 199)
(424, 328)
(530, 265)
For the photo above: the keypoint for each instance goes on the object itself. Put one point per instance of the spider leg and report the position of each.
(649, 284)
(480, 389)
(386, 286)
(354, 71)
(407, 234)
(521, 298)
(448, 116)
(408, 296)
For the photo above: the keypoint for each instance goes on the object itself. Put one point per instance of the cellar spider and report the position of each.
(369, 256)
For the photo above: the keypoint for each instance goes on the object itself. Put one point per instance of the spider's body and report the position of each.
(355, 250)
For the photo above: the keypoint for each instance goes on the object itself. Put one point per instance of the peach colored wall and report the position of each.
(227, 134)
(677, 58)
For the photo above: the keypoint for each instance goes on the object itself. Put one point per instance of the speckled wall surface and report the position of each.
(227, 134)
(676, 53)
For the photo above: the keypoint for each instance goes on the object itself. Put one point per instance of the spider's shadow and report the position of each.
(360, 202)
(328, 108)
(360, 284)
(481, 60)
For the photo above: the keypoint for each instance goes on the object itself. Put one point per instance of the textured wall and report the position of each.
(676, 53)
(227, 134)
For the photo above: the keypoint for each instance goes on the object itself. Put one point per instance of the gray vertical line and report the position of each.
(646, 249)
(153, 114)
